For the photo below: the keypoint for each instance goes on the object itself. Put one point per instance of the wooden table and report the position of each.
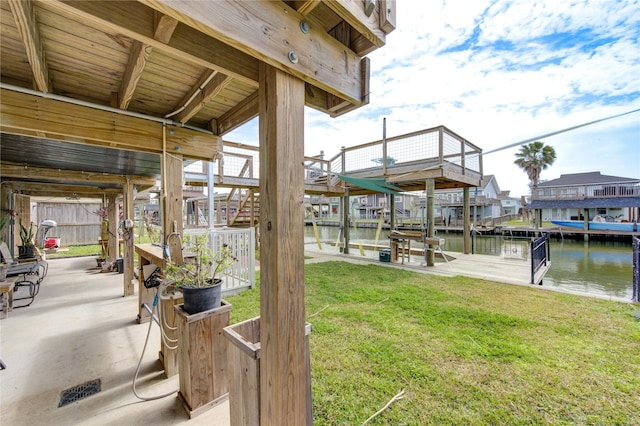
(6, 296)
(149, 254)
(401, 244)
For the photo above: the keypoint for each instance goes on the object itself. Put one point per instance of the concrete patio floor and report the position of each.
(81, 328)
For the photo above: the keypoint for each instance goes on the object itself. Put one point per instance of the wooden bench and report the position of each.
(401, 244)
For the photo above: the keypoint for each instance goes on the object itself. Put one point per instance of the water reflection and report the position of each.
(603, 268)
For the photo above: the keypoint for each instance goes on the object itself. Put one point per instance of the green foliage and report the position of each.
(204, 268)
(533, 158)
(466, 351)
(26, 234)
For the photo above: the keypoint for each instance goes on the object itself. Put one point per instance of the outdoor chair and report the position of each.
(36, 268)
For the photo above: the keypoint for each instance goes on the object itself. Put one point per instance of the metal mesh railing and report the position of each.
(410, 148)
(413, 147)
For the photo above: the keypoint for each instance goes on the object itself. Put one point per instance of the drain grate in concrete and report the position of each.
(79, 392)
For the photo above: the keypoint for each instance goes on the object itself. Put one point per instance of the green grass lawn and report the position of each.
(465, 351)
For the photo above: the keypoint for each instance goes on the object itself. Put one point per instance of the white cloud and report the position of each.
(499, 72)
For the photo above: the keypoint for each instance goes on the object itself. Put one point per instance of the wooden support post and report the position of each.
(172, 205)
(345, 222)
(466, 228)
(283, 369)
(586, 225)
(431, 254)
(128, 238)
(392, 212)
(112, 216)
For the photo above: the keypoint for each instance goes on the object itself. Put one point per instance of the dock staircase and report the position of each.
(244, 205)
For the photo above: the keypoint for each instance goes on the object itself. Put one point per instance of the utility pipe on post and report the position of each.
(466, 229)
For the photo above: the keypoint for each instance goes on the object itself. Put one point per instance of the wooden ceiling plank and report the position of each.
(130, 19)
(24, 114)
(270, 31)
(25, 18)
(204, 94)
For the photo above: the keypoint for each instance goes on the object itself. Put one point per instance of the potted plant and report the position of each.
(26, 250)
(198, 278)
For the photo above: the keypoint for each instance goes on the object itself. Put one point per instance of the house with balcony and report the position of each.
(486, 202)
(574, 196)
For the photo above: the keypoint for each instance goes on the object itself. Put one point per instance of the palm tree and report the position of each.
(533, 158)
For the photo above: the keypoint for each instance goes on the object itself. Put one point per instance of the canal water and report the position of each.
(603, 268)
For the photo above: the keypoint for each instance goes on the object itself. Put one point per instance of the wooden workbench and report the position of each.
(153, 254)
(147, 254)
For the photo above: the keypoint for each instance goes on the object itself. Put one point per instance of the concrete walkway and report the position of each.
(81, 328)
(492, 268)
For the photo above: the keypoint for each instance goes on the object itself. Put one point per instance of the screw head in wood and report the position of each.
(304, 27)
(293, 57)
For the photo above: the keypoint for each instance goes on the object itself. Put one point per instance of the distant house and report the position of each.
(510, 205)
(572, 196)
(486, 201)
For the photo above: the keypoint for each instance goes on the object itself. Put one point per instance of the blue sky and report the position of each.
(499, 72)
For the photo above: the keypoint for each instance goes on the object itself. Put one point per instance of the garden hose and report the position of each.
(146, 341)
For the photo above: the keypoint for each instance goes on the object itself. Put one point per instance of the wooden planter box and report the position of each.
(244, 372)
(202, 358)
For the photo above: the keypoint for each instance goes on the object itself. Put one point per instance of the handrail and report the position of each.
(540, 254)
(635, 296)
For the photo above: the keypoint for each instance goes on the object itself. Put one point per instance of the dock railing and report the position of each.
(438, 144)
(635, 295)
(540, 255)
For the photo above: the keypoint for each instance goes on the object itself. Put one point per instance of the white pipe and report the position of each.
(60, 98)
(211, 194)
(195, 93)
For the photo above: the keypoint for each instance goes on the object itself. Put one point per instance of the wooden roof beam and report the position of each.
(238, 115)
(304, 7)
(25, 18)
(270, 32)
(354, 14)
(209, 86)
(24, 114)
(21, 171)
(61, 190)
(135, 67)
(140, 52)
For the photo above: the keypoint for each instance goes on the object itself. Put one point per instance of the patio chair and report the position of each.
(36, 268)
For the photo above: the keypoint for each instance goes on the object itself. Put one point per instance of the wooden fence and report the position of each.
(77, 224)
